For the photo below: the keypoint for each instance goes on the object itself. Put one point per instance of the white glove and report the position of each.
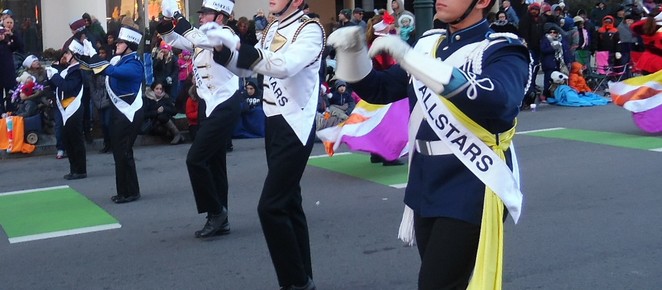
(50, 72)
(432, 72)
(88, 49)
(390, 44)
(352, 60)
(169, 7)
(169, 80)
(217, 35)
(618, 55)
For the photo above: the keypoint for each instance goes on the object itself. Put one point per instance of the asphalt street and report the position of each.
(591, 220)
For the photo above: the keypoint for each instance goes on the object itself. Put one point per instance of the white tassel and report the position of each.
(406, 232)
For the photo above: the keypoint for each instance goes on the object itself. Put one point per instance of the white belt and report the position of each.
(432, 148)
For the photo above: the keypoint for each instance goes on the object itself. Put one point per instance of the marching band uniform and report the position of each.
(218, 89)
(124, 75)
(69, 93)
(483, 78)
(289, 57)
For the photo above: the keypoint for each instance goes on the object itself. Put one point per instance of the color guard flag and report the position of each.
(643, 97)
(379, 129)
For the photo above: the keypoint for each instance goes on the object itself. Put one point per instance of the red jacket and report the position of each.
(651, 60)
(192, 111)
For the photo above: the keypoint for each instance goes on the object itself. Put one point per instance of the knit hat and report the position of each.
(534, 6)
(27, 63)
(545, 7)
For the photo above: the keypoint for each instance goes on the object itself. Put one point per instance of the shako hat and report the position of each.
(217, 6)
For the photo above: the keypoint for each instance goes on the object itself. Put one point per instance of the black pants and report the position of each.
(281, 214)
(206, 161)
(123, 134)
(74, 142)
(448, 252)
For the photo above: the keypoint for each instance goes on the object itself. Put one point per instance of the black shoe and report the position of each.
(216, 225)
(374, 158)
(72, 176)
(395, 162)
(125, 199)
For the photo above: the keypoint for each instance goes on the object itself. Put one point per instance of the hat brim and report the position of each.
(207, 10)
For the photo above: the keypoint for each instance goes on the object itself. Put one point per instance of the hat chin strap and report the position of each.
(466, 13)
(279, 13)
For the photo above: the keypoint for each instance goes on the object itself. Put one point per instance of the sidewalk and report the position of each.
(46, 143)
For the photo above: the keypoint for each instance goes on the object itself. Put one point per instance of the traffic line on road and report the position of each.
(598, 137)
(358, 165)
(43, 213)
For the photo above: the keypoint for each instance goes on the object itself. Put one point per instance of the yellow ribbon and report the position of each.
(488, 270)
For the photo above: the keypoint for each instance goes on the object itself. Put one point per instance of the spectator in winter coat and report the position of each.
(584, 37)
(511, 14)
(606, 46)
(341, 101)
(159, 110)
(502, 24)
(9, 43)
(166, 70)
(576, 78)
(260, 20)
(555, 56)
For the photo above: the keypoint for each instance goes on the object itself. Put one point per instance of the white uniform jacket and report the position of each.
(215, 84)
(288, 56)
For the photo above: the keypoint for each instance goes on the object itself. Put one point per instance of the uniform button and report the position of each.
(445, 48)
(457, 37)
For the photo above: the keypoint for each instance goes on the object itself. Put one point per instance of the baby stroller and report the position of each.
(605, 71)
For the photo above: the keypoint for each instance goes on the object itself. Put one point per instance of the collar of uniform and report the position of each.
(132, 55)
(290, 19)
(471, 33)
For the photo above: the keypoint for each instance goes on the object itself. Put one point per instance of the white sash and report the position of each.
(487, 166)
(127, 110)
(73, 106)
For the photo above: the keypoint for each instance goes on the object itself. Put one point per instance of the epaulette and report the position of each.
(510, 37)
(435, 31)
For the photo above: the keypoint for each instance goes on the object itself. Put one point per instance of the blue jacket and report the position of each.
(441, 186)
(126, 77)
(69, 86)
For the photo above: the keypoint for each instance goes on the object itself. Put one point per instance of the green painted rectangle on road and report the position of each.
(604, 138)
(358, 165)
(50, 212)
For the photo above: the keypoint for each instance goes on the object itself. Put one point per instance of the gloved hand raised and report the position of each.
(169, 7)
(352, 61)
(88, 49)
(391, 45)
(618, 55)
(50, 72)
(432, 72)
(219, 36)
